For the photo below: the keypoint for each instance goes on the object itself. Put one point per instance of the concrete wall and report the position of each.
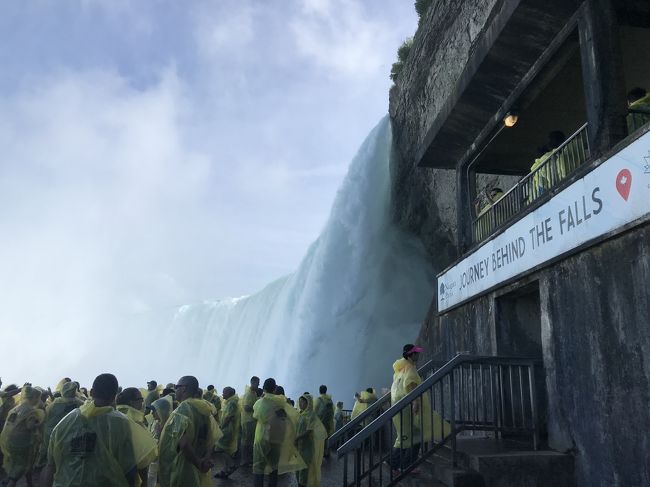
(595, 327)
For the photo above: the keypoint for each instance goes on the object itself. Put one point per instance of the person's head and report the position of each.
(322, 389)
(291, 402)
(411, 352)
(269, 386)
(370, 390)
(161, 409)
(635, 94)
(84, 391)
(130, 396)
(67, 379)
(255, 382)
(167, 392)
(339, 405)
(30, 395)
(69, 390)
(186, 388)
(259, 392)
(302, 403)
(104, 389)
(151, 385)
(494, 192)
(555, 139)
(210, 388)
(279, 391)
(228, 392)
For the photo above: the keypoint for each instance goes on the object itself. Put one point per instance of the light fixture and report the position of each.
(510, 119)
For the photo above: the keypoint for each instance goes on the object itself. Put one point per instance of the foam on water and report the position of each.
(341, 318)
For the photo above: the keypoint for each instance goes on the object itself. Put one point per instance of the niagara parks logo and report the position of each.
(445, 291)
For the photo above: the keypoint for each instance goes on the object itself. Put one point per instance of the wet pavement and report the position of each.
(332, 476)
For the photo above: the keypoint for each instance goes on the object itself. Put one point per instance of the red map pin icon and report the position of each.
(624, 183)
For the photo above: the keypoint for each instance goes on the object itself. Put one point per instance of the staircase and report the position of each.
(485, 431)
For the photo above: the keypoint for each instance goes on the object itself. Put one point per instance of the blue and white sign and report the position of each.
(614, 194)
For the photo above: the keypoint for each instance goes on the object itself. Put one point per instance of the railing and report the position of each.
(558, 166)
(637, 118)
(469, 393)
(373, 411)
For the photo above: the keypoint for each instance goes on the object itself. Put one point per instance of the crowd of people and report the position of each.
(172, 436)
(177, 435)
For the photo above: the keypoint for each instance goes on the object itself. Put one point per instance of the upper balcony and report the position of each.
(557, 72)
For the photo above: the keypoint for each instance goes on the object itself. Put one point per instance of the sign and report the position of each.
(612, 195)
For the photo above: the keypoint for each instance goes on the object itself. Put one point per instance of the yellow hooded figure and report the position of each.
(310, 441)
(274, 448)
(405, 379)
(21, 436)
(364, 399)
(55, 412)
(247, 423)
(229, 419)
(194, 418)
(324, 409)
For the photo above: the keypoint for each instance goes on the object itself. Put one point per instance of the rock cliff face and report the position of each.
(424, 200)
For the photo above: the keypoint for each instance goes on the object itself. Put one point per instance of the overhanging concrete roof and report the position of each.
(513, 42)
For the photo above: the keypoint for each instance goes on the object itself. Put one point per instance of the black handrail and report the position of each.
(462, 385)
(354, 424)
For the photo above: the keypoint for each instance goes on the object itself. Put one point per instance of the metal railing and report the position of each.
(559, 165)
(469, 393)
(637, 118)
(373, 411)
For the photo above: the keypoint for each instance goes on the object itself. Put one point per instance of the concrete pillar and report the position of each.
(465, 194)
(603, 77)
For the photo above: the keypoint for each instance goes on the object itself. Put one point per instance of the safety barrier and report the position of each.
(469, 393)
(559, 165)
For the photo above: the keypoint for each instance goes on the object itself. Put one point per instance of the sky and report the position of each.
(160, 153)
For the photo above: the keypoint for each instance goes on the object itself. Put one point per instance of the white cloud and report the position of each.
(339, 37)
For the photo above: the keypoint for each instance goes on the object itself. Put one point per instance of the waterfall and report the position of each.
(360, 292)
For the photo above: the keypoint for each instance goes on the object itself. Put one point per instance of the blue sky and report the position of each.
(156, 153)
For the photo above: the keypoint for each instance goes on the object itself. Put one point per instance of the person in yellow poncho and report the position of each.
(151, 395)
(129, 402)
(247, 421)
(160, 409)
(21, 436)
(552, 172)
(188, 439)
(405, 379)
(324, 408)
(96, 445)
(339, 417)
(213, 398)
(230, 418)
(54, 413)
(310, 441)
(274, 450)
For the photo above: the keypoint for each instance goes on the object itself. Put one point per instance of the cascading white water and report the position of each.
(341, 318)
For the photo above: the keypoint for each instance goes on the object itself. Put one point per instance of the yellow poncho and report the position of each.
(405, 378)
(54, 413)
(324, 408)
(275, 435)
(230, 418)
(133, 414)
(96, 446)
(361, 404)
(312, 445)
(193, 417)
(21, 437)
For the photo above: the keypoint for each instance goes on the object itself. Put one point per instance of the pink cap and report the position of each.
(416, 349)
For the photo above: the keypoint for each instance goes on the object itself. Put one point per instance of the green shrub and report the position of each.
(402, 55)
(421, 7)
